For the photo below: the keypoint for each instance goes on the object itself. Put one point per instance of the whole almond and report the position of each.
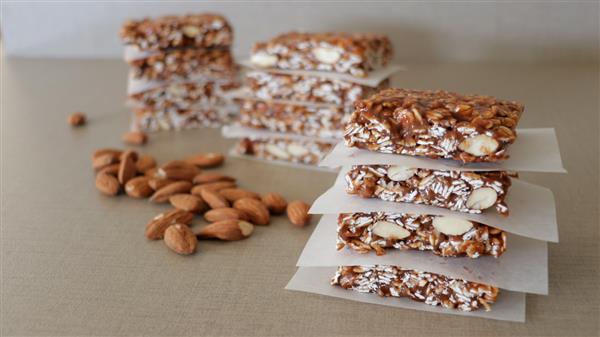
(233, 194)
(178, 173)
(145, 163)
(158, 183)
(227, 230)
(127, 169)
(163, 194)
(226, 213)
(151, 173)
(115, 152)
(274, 202)
(76, 119)
(138, 187)
(178, 164)
(257, 211)
(215, 187)
(112, 169)
(133, 154)
(180, 239)
(155, 229)
(297, 212)
(206, 159)
(104, 160)
(188, 202)
(107, 184)
(210, 177)
(135, 138)
(214, 199)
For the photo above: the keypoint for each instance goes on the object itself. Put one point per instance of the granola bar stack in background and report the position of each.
(299, 92)
(180, 69)
(426, 207)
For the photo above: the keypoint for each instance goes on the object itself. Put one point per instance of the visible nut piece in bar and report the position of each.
(444, 236)
(429, 288)
(461, 191)
(436, 124)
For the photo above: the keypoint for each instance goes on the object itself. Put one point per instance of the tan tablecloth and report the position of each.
(77, 263)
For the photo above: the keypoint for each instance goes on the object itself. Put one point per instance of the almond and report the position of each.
(107, 184)
(225, 213)
(145, 163)
(151, 173)
(76, 119)
(180, 239)
(215, 187)
(188, 202)
(228, 230)
(214, 199)
(297, 212)
(115, 152)
(155, 229)
(127, 169)
(104, 160)
(138, 187)
(158, 183)
(163, 194)
(233, 194)
(178, 170)
(135, 138)
(209, 177)
(274, 202)
(112, 169)
(257, 212)
(133, 154)
(482, 198)
(206, 159)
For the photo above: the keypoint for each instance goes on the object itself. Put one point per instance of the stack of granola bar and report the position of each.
(305, 84)
(180, 69)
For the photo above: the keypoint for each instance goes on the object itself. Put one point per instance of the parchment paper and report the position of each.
(523, 266)
(532, 210)
(535, 150)
(238, 131)
(372, 80)
(510, 305)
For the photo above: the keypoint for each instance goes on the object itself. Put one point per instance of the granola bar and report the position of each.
(436, 124)
(322, 121)
(461, 191)
(150, 120)
(291, 150)
(269, 85)
(355, 54)
(183, 95)
(166, 32)
(184, 64)
(442, 235)
(429, 288)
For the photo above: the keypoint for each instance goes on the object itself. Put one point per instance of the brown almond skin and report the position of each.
(158, 183)
(107, 184)
(138, 187)
(145, 163)
(114, 152)
(188, 202)
(76, 119)
(275, 202)
(211, 177)
(233, 194)
(227, 230)
(163, 194)
(226, 213)
(155, 229)
(135, 138)
(215, 187)
(257, 212)
(112, 169)
(127, 169)
(297, 212)
(151, 173)
(206, 160)
(178, 173)
(104, 160)
(180, 239)
(132, 153)
(214, 199)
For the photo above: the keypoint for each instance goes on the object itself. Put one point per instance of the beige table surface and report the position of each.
(77, 263)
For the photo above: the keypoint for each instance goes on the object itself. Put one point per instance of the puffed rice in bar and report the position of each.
(268, 86)
(150, 120)
(436, 124)
(429, 288)
(166, 32)
(326, 121)
(185, 64)
(183, 95)
(283, 149)
(352, 53)
(462, 191)
(442, 235)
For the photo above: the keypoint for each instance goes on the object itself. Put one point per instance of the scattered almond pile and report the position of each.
(232, 212)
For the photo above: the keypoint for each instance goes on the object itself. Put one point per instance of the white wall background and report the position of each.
(421, 32)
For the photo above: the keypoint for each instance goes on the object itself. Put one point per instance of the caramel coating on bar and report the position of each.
(355, 230)
(429, 288)
(432, 123)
